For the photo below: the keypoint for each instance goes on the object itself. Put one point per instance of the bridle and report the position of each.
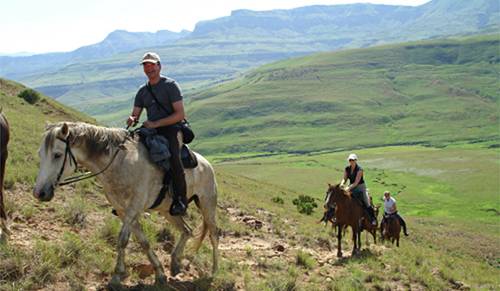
(72, 160)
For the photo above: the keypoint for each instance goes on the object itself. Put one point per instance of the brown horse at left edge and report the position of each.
(4, 140)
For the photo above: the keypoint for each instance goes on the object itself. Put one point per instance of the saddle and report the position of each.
(358, 197)
(389, 217)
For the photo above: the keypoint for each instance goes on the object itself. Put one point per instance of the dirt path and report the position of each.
(257, 248)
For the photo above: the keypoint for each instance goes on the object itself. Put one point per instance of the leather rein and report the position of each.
(72, 160)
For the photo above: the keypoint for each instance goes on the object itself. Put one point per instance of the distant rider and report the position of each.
(354, 173)
(391, 209)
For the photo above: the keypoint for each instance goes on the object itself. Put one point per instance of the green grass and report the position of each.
(27, 124)
(442, 193)
(429, 93)
(446, 182)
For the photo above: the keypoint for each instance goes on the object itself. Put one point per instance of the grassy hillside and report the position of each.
(101, 82)
(27, 124)
(428, 93)
(450, 205)
(69, 243)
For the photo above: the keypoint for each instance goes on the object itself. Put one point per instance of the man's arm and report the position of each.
(176, 116)
(394, 208)
(344, 179)
(134, 117)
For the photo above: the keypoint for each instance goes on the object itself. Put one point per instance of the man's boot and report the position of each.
(179, 205)
(403, 224)
(371, 214)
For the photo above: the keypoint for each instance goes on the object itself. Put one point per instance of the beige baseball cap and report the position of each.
(150, 57)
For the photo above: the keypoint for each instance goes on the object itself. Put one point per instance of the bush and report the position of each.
(31, 96)
(278, 200)
(305, 204)
(305, 260)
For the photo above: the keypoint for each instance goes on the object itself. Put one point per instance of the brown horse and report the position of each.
(370, 228)
(4, 140)
(392, 229)
(329, 216)
(348, 212)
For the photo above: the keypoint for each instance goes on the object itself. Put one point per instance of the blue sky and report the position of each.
(63, 25)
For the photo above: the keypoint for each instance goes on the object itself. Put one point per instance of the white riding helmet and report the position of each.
(352, 157)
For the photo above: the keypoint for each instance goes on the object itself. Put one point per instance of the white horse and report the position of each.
(131, 183)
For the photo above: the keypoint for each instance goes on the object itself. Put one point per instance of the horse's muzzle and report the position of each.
(45, 194)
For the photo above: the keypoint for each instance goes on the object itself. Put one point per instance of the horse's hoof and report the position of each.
(174, 269)
(161, 280)
(115, 283)
(339, 255)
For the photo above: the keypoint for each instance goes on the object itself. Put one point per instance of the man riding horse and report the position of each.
(164, 113)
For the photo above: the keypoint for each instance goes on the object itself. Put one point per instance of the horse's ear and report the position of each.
(329, 185)
(65, 130)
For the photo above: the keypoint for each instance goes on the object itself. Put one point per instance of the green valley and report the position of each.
(428, 93)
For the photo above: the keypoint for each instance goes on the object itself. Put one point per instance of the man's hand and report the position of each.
(131, 121)
(149, 124)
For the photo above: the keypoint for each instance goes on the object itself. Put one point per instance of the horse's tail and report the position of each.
(200, 235)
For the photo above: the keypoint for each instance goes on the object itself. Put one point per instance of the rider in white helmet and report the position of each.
(357, 186)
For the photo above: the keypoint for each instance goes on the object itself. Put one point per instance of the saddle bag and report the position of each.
(189, 160)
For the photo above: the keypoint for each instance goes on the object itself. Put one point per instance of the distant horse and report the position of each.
(392, 229)
(347, 212)
(329, 216)
(4, 140)
(131, 183)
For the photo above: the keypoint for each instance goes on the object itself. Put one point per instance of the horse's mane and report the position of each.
(338, 188)
(96, 139)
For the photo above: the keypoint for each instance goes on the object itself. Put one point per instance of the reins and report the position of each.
(84, 176)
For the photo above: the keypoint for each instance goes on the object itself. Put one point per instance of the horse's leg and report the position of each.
(180, 224)
(354, 240)
(4, 231)
(143, 241)
(359, 240)
(208, 211)
(339, 240)
(123, 239)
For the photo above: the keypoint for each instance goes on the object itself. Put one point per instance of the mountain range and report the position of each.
(101, 79)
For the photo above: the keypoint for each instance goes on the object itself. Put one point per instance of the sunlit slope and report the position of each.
(431, 93)
(27, 124)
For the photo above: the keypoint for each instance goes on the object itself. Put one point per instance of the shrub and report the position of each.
(304, 259)
(278, 200)
(75, 212)
(305, 204)
(110, 230)
(29, 95)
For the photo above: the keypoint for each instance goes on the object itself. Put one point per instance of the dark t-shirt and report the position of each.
(167, 91)
(352, 175)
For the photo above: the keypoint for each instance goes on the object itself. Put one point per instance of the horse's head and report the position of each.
(333, 195)
(56, 161)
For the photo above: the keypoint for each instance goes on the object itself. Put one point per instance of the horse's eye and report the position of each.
(57, 156)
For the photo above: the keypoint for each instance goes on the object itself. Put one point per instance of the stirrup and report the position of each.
(177, 208)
